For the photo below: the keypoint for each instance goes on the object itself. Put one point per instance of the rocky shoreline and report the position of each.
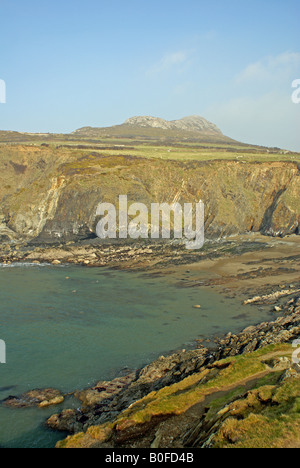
(104, 420)
(125, 255)
(106, 400)
(103, 405)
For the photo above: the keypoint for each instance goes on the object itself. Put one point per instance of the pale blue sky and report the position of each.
(73, 63)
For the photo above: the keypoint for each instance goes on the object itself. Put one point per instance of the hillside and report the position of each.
(192, 128)
(50, 187)
(51, 184)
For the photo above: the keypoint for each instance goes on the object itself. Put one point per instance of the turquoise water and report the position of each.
(68, 327)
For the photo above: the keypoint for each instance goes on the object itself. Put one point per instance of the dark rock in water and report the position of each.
(39, 398)
(239, 317)
(94, 401)
(6, 389)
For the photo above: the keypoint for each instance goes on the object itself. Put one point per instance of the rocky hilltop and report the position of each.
(193, 128)
(192, 123)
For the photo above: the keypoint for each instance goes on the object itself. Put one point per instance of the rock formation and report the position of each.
(192, 123)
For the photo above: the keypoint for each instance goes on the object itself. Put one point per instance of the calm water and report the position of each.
(70, 333)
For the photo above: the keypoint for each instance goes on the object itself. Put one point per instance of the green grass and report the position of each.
(191, 154)
(158, 145)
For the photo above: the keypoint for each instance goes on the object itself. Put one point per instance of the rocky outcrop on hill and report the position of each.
(192, 123)
(193, 128)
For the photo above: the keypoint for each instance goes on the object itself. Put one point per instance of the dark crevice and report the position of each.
(265, 225)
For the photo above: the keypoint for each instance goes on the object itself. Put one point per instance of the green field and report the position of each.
(175, 150)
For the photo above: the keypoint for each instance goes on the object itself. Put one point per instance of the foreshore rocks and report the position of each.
(271, 297)
(284, 329)
(39, 398)
(99, 407)
(138, 255)
(104, 391)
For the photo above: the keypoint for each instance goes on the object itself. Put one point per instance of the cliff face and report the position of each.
(52, 194)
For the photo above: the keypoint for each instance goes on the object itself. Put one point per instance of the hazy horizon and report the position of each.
(73, 64)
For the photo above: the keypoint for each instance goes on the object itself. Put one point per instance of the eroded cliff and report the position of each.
(50, 193)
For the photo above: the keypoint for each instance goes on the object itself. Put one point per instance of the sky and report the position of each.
(73, 63)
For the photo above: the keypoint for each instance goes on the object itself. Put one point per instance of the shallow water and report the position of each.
(70, 333)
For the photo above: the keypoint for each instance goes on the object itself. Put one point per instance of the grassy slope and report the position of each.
(172, 151)
(153, 143)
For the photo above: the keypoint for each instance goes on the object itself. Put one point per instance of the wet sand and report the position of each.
(275, 266)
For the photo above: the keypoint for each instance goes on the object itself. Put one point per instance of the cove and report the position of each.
(68, 327)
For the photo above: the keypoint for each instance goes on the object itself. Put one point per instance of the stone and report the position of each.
(46, 397)
(55, 401)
